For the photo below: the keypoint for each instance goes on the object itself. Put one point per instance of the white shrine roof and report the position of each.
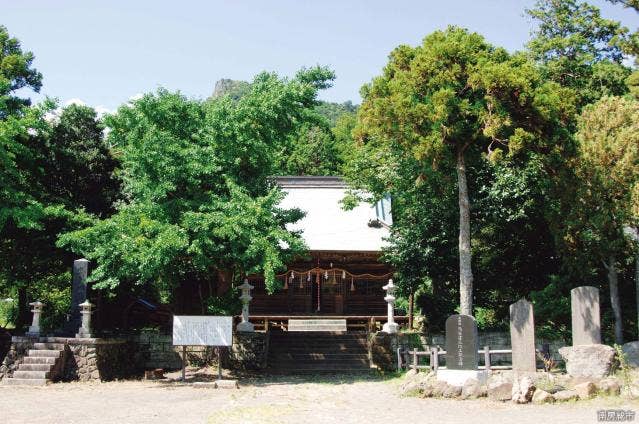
(326, 226)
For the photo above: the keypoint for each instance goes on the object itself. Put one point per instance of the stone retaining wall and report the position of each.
(383, 348)
(249, 352)
(155, 350)
(99, 359)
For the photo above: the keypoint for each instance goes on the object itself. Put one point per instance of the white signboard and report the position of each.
(202, 330)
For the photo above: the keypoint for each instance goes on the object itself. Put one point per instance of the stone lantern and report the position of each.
(245, 325)
(86, 309)
(390, 327)
(34, 330)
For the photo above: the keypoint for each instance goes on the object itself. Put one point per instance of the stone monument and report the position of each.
(522, 336)
(391, 326)
(78, 295)
(586, 326)
(461, 352)
(245, 325)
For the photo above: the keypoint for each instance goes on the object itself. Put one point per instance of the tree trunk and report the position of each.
(613, 281)
(411, 306)
(465, 256)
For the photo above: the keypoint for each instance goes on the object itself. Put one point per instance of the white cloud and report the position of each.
(74, 101)
(102, 110)
(135, 97)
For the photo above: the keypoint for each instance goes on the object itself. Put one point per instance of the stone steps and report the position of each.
(37, 368)
(328, 365)
(318, 352)
(320, 356)
(48, 346)
(25, 381)
(42, 353)
(39, 360)
(31, 374)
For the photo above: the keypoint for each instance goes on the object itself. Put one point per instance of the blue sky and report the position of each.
(104, 52)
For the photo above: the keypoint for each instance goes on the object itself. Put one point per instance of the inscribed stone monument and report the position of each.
(461, 343)
(586, 326)
(78, 295)
(522, 336)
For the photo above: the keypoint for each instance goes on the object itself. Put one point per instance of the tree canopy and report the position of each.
(195, 179)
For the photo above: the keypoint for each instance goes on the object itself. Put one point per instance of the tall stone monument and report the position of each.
(522, 336)
(461, 343)
(586, 325)
(78, 295)
(462, 358)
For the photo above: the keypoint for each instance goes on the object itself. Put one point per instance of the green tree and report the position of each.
(579, 48)
(16, 72)
(195, 177)
(608, 170)
(69, 169)
(450, 100)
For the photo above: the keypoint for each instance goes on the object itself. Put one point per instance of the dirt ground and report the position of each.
(299, 400)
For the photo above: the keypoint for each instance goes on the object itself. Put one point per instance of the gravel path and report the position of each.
(308, 400)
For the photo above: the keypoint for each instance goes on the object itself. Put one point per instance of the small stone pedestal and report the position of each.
(460, 377)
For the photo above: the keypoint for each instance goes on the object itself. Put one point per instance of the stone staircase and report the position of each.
(318, 352)
(41, 366)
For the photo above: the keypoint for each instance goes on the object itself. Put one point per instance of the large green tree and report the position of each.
(608, 169)
(198, 200)
(579, 48)
(450, 100)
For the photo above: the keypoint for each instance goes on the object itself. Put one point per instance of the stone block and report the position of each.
(542, 396)
(500, 391)
(585, 390)
(631, 350)
(566, 395)
(522, 335)
(523, 390)
(609, 387)
(473, 390)
(452, 391)
(594, 361)
(586, 326)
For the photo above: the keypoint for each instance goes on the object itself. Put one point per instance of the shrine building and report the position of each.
(343, 274)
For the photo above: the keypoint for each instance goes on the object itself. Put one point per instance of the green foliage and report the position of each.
(608, 174)
(16, 72)
(623, 368)
(312, 151)
(552, 310)
(198, 199)
(579, 48)
(227, 304)
(457, 94)
(334, 111)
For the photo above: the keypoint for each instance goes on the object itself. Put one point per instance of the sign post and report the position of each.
(193, 330)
